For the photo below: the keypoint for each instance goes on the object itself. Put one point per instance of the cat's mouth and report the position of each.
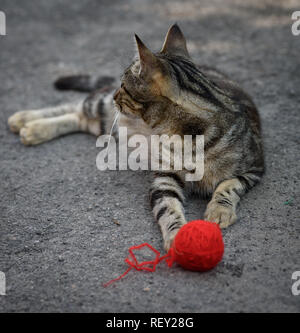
(126, 104)
(125, 110)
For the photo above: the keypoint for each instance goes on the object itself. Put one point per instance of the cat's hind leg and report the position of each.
(41, 130)
(21, 118)
(38, 126)
(92, 115)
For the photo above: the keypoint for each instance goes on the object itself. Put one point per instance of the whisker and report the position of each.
(111, 130)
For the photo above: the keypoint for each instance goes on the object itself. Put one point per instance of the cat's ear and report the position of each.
(175, 42)
(148, 60)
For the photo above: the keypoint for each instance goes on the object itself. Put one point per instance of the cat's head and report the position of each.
(149, 79)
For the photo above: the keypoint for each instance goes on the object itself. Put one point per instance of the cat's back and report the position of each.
(241, 101)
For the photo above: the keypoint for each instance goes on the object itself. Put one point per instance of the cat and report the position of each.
(167, 93)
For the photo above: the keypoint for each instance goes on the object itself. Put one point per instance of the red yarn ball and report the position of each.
(198, 246)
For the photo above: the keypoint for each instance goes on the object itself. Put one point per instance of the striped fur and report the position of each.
(166, 200)
(167, 93)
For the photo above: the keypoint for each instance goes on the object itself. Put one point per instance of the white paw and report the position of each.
(19, 119)
(36, 132)
(223, 215)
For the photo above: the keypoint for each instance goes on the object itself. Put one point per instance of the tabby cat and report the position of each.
(167, 93)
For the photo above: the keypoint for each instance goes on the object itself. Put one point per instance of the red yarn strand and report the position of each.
(144, 265)
(118, 278)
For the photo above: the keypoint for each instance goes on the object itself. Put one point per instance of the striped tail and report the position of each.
(83, 83)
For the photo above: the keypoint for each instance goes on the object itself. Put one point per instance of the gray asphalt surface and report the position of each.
(58, 238)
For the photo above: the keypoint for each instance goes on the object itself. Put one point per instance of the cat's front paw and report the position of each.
(169, 239)
(222, 215)
(19, 119)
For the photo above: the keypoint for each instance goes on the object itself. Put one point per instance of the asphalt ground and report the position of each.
(65, 227)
